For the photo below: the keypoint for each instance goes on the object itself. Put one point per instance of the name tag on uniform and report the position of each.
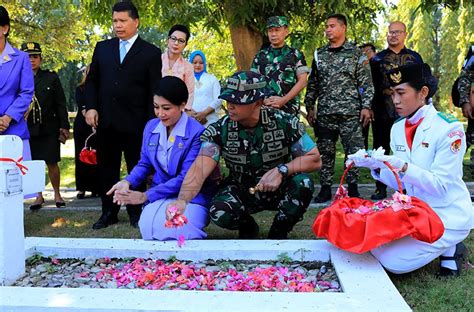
(400, 148)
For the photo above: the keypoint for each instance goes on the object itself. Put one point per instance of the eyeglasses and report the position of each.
(179, 40)
(395, 33)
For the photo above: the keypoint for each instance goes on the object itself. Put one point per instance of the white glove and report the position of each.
(362, 159)
(377, 152)
(395, 162)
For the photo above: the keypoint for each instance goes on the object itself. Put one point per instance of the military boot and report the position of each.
(380, 192)
(352, 190)
(248, 228)
(324, 194)
(281, 226)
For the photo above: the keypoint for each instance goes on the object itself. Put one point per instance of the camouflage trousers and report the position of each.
(469, 141)
(232, 202)
(327, 129)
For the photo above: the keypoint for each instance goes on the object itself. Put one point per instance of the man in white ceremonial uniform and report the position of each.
(428, 149)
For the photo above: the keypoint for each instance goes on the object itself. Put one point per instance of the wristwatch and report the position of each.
(283, 169)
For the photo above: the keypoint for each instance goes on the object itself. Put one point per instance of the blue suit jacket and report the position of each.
(16, 90)
(184, 151)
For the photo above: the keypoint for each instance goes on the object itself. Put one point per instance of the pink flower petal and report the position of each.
(181, 241)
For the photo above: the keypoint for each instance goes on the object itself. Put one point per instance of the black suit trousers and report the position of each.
(111, 145)
(381, 137)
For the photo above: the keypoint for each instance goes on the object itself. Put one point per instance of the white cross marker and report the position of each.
(16, 179)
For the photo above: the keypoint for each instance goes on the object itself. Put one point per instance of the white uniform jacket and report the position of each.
(434, 172)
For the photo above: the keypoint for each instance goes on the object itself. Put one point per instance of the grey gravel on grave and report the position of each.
(80, 273)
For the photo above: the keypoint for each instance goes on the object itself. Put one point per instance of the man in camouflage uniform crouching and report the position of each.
(268, 154)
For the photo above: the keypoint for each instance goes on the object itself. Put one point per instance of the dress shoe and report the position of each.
(352, 190)
(460, 255)
(248, 228)
(324, 194)
(104, 221)
(379, 195)
(81, 195)
(60, 204)
(36, 207)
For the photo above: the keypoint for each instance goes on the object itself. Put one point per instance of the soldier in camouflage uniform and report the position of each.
(465, 87)
(284, 68)
(268, 154)
(337, 74)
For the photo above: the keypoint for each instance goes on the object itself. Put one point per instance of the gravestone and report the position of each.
(17, 178)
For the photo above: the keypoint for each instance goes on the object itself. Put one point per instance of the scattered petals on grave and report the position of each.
(156, 274)
(209, 275)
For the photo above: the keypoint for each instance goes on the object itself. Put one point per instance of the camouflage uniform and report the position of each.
(281, 66)
(337, 75)
(466, 82)
(250, 153)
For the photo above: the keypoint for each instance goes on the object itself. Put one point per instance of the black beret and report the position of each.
(416, 73)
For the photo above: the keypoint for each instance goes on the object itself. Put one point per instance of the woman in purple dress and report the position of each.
(170, 145)
(16, 87)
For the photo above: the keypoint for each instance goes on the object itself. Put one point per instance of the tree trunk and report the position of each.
(246, 43)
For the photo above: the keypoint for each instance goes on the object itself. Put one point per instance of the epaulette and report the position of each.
(447, 117)
(399, 119)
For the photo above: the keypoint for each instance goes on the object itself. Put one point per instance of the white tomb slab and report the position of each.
(366, 286)
(16, 179)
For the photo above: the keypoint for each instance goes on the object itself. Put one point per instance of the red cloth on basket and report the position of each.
(361, 232)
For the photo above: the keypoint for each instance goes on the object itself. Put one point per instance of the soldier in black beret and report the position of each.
(48, 121)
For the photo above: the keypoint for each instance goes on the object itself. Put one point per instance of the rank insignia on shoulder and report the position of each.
(447, 117)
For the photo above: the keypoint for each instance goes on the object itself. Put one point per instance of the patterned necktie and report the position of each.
(123, 50)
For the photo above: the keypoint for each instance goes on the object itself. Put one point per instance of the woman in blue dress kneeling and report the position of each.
(170, 145)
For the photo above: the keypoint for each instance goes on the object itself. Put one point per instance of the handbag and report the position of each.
(358, 225)
(88, 155)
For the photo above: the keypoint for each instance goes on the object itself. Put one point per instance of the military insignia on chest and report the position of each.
(234, 136)
(267, 137)
(273, 146)
(278, 134)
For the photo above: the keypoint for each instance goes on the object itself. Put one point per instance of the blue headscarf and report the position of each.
(201, 54)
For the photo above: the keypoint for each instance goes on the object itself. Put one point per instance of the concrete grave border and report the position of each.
(365, 284)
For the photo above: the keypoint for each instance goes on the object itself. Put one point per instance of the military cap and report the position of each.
(31, 48)
(420, 73)
(277, 21)
(245, 87)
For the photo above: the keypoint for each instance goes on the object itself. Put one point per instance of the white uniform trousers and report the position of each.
(408, 254)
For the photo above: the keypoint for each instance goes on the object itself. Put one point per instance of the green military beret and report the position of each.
(277, 21)
(245, 87)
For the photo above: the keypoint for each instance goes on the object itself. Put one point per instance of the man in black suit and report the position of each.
(119, 102)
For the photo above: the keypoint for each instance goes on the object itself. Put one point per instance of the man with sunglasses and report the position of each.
(119, 102)
(395, 55)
